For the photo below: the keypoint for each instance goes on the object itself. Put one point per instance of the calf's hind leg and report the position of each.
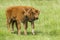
(8, 25)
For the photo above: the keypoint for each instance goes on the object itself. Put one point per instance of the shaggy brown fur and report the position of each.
(18, 14)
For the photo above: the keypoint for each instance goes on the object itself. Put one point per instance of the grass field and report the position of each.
(46, 28)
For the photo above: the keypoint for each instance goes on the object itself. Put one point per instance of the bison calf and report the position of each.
(24, 14)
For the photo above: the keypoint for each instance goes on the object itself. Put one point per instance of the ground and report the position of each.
(46, 28)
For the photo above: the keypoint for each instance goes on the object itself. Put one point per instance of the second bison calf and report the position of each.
(24, 14)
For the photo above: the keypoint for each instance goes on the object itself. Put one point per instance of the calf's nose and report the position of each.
(37, 18)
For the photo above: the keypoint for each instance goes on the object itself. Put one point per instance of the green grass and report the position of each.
(46, 28)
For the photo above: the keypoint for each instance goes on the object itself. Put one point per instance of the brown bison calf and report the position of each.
(18, 14)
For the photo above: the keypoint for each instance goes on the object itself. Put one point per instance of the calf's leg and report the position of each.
(8, 25)
(25, 27)
(12, 26)
(18, 27)
(32, 24)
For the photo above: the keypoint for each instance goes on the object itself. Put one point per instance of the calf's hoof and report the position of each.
(12, 31)
(33, 33)
(25, 33)
(19, 33)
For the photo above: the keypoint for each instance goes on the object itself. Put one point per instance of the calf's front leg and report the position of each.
(25, 27)
(32, 24)
(12, 26)
(18, 27)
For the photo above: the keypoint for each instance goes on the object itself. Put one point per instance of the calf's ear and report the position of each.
(37, 11)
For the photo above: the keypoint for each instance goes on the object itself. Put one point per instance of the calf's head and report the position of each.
(35, 13)
(31, 14)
